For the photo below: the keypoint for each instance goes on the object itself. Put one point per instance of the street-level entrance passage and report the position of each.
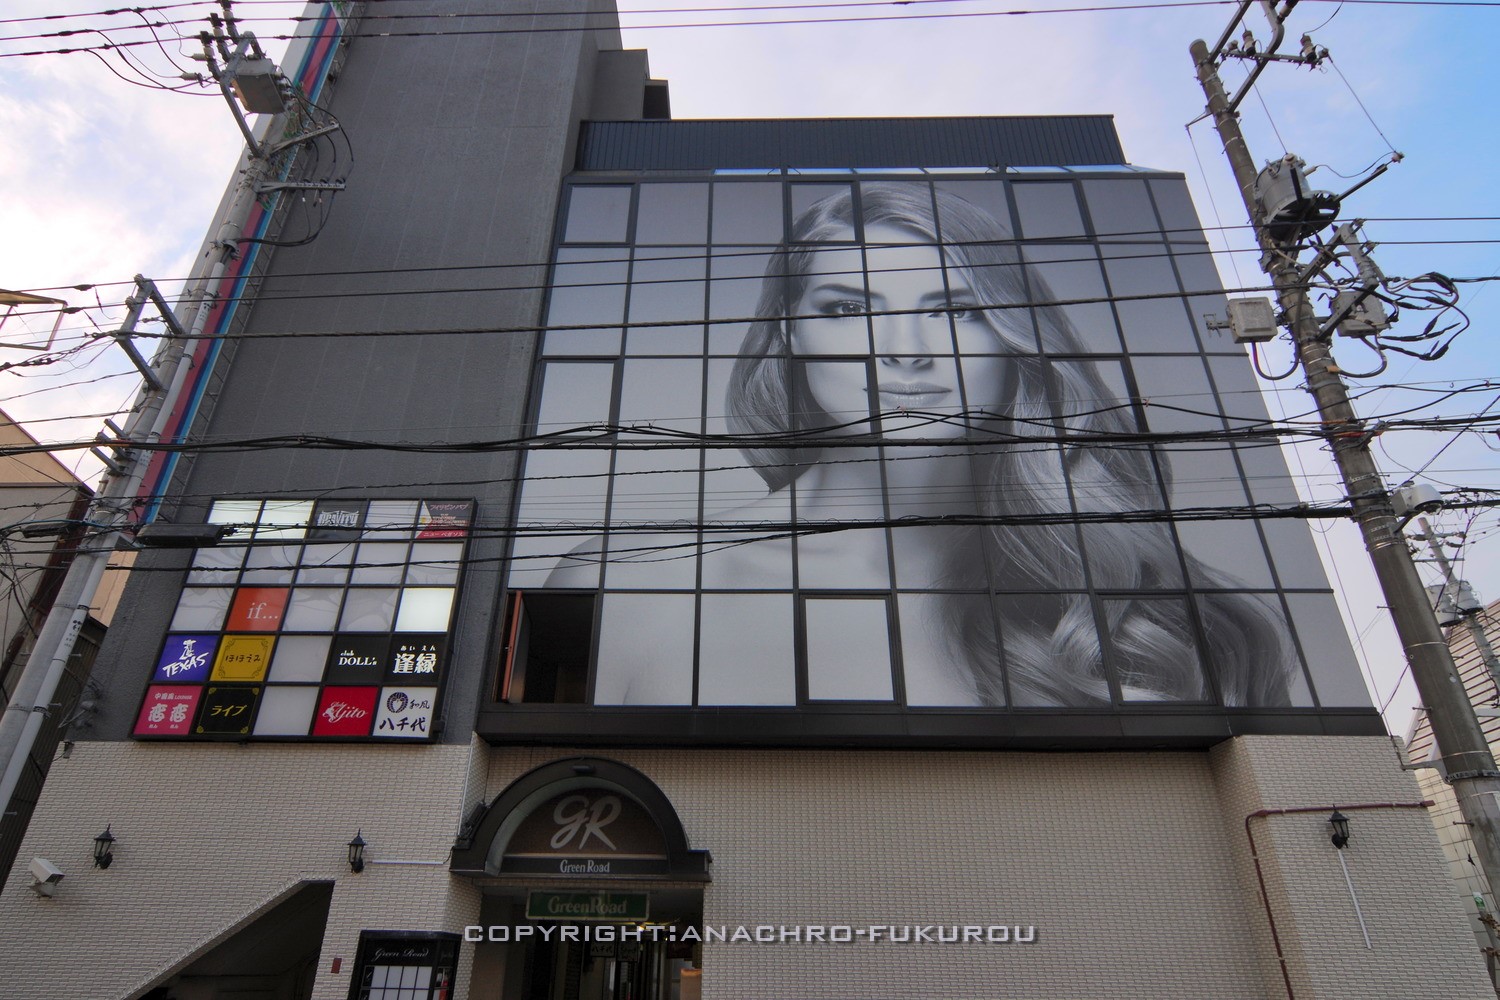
(590, 889)
(653, 959)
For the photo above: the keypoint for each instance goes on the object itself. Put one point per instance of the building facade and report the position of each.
(647, 559)
(45, 507)
(1473, 646)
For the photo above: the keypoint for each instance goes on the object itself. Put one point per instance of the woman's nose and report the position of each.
(909, 339)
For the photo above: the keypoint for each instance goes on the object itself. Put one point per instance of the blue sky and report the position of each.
(104, 179)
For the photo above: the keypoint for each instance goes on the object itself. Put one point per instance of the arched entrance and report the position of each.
(591, 891)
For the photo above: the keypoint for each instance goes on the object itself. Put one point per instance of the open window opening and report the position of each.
(548, 640)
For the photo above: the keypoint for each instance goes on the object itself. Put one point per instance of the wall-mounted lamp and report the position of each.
(357, 853)
(104, 853)
(1340, 824)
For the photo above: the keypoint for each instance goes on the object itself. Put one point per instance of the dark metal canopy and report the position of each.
(484, 840)
(1030, 141)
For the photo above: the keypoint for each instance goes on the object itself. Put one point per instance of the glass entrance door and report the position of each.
(602, 970)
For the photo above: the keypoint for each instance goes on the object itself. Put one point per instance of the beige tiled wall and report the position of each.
(1133, 868)
(208, 836)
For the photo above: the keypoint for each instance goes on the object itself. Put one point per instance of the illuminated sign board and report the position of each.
(313, 619)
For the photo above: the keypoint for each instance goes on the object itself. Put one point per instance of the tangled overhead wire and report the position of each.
(1366, 303)
(1430, 291)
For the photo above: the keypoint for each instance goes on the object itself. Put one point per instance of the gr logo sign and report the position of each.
(576, 816)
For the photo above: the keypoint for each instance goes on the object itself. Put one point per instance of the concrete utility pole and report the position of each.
(1453, 591)
(1469, 765)
(108, 515)
(256, 81)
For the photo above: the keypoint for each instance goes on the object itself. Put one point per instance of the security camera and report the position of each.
(1415, 498)
(47, 876)
(45, 871)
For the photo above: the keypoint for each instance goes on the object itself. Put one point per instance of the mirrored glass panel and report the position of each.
(1178, 218)
(1048, 210)
(848, 649)
(598, 214)
(1070, 275)
(588, 290)
(1153, 316)
(747, 212)
(957, 222)
(745, 650)
(672, 213)
(1154, 656)
(935, 661)
(1266, 671)
(633, 624)
(1336, 675)
(575, 394)
(805, 224)
(1121, 210)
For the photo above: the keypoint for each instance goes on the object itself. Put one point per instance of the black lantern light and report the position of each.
(104, 845)
(1340, 824)
(357, 853)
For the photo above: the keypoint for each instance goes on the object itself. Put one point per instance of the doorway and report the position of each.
(576, 969)
(655, 958)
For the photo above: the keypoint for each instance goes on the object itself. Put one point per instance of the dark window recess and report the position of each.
(548, 637)
(657, 101)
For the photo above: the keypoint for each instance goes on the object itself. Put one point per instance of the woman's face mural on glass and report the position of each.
(937, 522)
(931, 348)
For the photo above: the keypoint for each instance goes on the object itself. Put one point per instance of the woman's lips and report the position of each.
(912, 395)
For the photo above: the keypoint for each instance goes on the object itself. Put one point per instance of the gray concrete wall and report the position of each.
(460, 145)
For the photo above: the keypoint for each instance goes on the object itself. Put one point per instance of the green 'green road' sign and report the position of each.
(618, 906)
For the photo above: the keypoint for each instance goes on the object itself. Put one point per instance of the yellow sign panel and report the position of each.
(243, 658)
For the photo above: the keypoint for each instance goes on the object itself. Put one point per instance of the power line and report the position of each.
(710, 497)
(766, 530)
(630, 437)
(873, 18)
(125, 10)
(703, 321)
(461, 15)
(570, 29)
(1173, 249)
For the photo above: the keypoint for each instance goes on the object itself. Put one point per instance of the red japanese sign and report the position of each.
(346, 711)
(168, 711)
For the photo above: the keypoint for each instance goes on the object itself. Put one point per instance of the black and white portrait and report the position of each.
(931, 490)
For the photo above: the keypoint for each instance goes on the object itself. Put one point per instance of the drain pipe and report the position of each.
(1260, 874)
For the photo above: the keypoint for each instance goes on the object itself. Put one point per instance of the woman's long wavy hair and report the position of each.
(1052, 651)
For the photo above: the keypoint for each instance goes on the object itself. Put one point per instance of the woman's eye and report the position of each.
(962, 311)
(848, 307)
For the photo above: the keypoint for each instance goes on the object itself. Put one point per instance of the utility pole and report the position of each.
(249, 76)
(109, 514)
(1453, 591)
(1469, 766)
